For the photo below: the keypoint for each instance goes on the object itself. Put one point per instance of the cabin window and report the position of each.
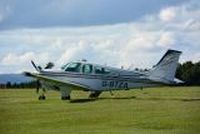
(64, 66)
(101, 70)
(87, 68)
(73, 67)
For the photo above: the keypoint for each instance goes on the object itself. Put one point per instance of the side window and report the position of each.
(87, 68)
(64, 66)
(73, 67)
(101, 70)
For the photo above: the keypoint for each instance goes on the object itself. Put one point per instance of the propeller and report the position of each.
(49, 65)
(37, 68)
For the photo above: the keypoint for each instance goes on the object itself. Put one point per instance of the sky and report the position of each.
(129, 33)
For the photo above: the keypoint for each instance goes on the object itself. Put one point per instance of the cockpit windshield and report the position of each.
(72, 67)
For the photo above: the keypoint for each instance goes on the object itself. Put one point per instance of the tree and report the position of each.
(8, 84)
(189, 72)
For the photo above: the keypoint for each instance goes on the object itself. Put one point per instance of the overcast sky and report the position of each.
(114, 32)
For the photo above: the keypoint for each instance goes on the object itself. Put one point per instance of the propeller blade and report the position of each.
(36, 68)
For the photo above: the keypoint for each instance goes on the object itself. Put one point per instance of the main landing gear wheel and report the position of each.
(42, 97)
(95, 94)
(65, 97)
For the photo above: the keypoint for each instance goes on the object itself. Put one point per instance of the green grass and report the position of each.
(168, 110)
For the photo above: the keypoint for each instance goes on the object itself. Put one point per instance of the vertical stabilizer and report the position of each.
(164, 71)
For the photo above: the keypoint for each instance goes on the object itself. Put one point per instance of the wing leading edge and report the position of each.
(78, 86)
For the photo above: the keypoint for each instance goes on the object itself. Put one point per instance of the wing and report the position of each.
(68, 83)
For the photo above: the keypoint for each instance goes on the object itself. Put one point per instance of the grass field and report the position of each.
(166, 110)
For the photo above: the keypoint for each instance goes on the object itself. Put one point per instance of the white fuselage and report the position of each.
(118, 80)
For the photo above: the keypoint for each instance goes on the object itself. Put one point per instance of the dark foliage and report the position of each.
(31, 84)
(189, 72)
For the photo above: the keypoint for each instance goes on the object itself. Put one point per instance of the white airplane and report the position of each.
(81, 75)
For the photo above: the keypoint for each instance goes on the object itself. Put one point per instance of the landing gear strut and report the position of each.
(65, 94)
(94, 94)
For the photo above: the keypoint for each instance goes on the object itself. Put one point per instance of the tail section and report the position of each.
(164, 71)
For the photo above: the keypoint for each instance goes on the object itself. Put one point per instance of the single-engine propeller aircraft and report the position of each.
(81, 75)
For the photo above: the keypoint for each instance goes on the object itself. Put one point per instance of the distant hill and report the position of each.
(13, 78)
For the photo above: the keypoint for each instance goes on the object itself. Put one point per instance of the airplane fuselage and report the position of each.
(95, 82)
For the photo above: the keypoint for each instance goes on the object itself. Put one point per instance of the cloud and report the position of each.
(192, 24)
(196, 57)
(75, 52)
(166, 40)
(12, 59)
(168, 14)
(139, 43)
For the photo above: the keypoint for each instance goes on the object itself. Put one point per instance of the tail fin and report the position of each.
(164, 71)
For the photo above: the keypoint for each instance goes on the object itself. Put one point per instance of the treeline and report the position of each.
(189, 73)
(9, 85)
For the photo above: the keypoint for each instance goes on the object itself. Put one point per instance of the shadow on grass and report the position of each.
(133, 97)
(101, 98)
(190, 99)
(82, 100)
(151, 98)
(168, 99)
(118, 98)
